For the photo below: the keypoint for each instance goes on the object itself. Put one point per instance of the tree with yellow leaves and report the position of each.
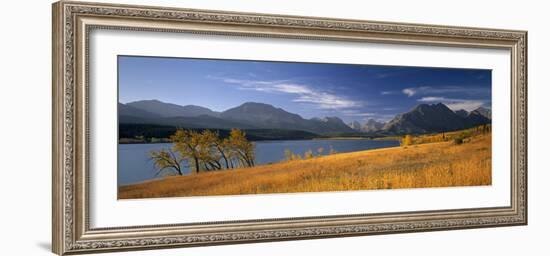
(205, 151)
(167, 160)
(190, 146)
(407, 140)
(242, 149)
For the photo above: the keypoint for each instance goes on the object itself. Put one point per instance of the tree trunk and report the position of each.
(178, 169)
(224, 158)
(197, 166)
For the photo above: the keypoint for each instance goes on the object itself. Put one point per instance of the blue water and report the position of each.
(134, 165)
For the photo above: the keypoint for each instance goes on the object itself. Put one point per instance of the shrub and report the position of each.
(406, 141)
(308, 154)
(458, 140)
(320, 151)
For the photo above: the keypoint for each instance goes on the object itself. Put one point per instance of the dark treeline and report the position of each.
(147, 133)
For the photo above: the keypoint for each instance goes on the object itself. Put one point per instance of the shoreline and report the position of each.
(320, 138)
(269, 164)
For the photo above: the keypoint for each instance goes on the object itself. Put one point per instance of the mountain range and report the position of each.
(249, 115)
(171, 110)
(423, 118)
(438, 117)
(370, 126)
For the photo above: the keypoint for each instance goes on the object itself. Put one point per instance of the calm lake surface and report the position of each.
(134, 165)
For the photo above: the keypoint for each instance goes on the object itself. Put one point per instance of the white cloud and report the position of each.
(303, 93)
(362, 114)
(409, 91)
(380, 118)
(368, 115)
(455, 104)
(445, 89)
(432, 99)
(466, 105)
(327, 101)
(293, 88)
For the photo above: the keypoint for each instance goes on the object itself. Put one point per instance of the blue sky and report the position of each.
(351, 92)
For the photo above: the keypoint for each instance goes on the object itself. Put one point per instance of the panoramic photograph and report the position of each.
(205, 127)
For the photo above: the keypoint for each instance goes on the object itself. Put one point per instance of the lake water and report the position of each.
(134, 165)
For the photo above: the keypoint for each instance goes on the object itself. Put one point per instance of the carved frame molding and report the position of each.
(72, 22)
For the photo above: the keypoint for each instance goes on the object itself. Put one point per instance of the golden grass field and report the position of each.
(436, 163)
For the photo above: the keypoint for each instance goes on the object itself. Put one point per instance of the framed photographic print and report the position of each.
(178, 127)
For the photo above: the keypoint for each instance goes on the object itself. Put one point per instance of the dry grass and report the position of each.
(449, 136)
(438, 164)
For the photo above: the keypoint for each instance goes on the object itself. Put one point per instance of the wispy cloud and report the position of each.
(362, 114)
(303, 93)
(388, 92)
(466, 105)
(409, 91)
(432, 99)
(455, 104)
(445, 89)
(368, 115)
(380, 117)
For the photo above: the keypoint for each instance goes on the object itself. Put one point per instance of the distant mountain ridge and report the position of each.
(261, 114)
(250, 115)
(462, 113)
(438, 117)
(171, 110)
(370, 126)
(355, 125)
(484, 112)
(423, 118)
(130, 111)
(266, 116)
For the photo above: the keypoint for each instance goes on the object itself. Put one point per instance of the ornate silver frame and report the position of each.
(72, 22)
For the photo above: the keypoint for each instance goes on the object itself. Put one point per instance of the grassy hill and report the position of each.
(440, 161)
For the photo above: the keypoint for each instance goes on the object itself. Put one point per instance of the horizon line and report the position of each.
(353, 120)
